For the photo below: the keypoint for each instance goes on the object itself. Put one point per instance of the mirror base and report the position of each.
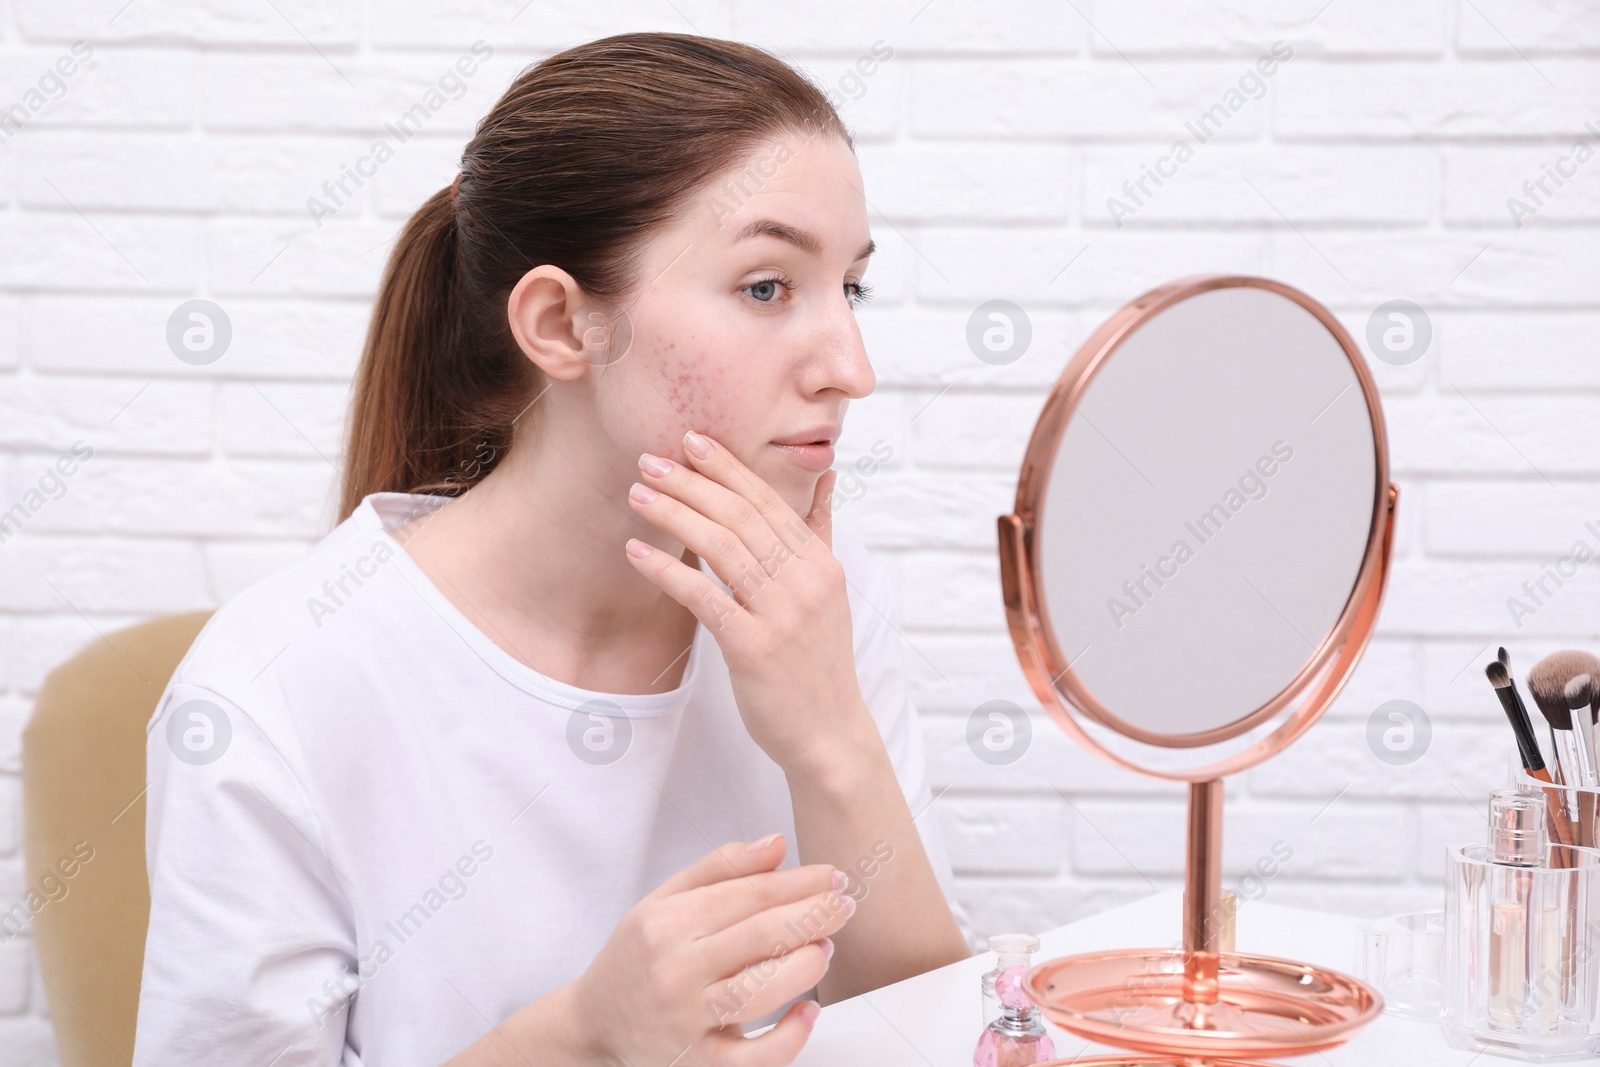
(1266, 1006)
(1154, 1061)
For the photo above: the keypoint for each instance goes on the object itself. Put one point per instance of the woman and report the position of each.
(524, 765)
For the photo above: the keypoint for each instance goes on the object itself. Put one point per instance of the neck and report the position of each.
(533, 555)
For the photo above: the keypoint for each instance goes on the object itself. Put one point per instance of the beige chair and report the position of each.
(83, 781)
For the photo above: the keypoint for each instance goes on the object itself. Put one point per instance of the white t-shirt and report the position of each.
(372, 833)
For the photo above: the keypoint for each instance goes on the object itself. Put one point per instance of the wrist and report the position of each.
(555, 1024)
(841, 758)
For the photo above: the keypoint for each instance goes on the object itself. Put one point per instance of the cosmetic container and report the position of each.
(1402, 956)
(1522, 929)
(1014, 1034)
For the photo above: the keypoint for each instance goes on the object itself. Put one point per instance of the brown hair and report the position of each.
(584, 158)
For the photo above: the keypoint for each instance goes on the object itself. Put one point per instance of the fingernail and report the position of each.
(697, 445)
(827, 947)
(638, 548)
(809, 1012)
(757, 846)
(654, 465)
(642, 493)
(839, 880)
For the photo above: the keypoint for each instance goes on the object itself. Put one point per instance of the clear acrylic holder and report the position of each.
(1402, 956)
(1574, 810)
(1522, 953)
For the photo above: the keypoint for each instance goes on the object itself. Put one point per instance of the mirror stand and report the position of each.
(1168, 400)
(1202, 896)
(1200, 1005)
(1196, 1006)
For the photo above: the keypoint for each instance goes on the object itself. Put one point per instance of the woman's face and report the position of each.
(744, 326)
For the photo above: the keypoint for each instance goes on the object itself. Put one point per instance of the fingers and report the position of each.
(731, 518)
(733, 860)
(820, 517)
(763, 986)
(777, 930)
(764, 551)
(722, 532)
(776, 1047)
(717, 907)
(722, 467)
(687, 585)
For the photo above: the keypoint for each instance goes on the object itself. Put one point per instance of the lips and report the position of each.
(816, 457)
(815, 435)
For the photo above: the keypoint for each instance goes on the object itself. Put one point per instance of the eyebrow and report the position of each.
(801, 239)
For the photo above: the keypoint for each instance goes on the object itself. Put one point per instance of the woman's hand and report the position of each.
(726, 940)
(785, 633)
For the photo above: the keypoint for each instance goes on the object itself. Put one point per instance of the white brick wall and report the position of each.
(177, 165)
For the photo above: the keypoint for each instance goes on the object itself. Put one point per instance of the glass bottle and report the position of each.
(1014, 1033)
(1516, 843)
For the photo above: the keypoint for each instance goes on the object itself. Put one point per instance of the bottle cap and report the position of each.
(1517, 827)
(1013, 949)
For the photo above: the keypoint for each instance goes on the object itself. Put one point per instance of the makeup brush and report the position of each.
(1561, 830)
(1521, 728)
(1522, 708)
(1547, 681)
(1594, 716)
(1589, 720)
(1585, 724)
(1591, 833)
(1578, 691)
(1579, 697)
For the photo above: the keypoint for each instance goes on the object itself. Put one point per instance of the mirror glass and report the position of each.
(1208, 510)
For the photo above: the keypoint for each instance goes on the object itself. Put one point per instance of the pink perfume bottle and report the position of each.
(1015, 1035)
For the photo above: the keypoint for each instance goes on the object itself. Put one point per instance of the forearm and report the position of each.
(541, 1032)
(849, 811)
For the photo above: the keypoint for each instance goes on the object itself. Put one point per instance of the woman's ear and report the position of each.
(556, 324)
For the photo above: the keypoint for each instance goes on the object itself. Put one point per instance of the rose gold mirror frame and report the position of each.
(1191, 1005)
(1040, 655)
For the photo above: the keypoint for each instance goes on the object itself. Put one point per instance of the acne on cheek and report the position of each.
(691, 397)
(685, 392)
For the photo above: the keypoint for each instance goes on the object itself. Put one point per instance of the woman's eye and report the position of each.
(766, 290)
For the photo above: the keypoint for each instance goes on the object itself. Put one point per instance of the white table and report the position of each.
(933, 1020)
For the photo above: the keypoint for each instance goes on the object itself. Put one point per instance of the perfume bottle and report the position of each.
(1517, 844)
(1014, 1033)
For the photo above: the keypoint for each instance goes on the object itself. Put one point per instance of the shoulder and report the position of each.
(249, 631)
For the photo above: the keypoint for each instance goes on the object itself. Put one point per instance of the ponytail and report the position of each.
(582, 159)
(422, 417)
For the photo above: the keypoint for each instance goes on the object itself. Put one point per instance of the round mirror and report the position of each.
(1203, 515)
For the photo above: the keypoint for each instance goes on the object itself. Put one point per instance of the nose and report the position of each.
(843, 364)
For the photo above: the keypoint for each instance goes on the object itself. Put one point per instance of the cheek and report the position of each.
(689, 391)
(697, 393)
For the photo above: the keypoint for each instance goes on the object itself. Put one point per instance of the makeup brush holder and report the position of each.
(1574, 810)
(1522, 953)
